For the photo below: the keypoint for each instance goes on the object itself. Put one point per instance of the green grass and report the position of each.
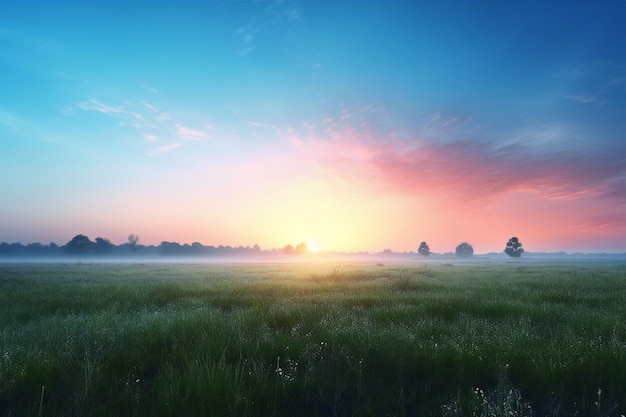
(302, 340)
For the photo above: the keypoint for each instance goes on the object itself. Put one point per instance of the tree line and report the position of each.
(82, 245)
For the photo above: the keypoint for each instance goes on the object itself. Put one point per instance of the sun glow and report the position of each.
(314, 246)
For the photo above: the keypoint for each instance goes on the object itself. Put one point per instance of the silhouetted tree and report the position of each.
(5, 248)
(424, 249)
(288, 250)
(35, 249)
(133, 239)
(464, 249)
(79, 245)
(170, 248)
(197, 248)
(102, 246)
(514, 248)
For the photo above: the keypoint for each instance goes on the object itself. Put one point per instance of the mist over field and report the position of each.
(382, 259)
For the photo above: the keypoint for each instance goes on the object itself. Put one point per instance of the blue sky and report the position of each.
(360, 125)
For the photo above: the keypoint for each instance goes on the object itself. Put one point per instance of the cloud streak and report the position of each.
(469, 170)
(164, 149)
(190, 134)
(98, 106)
(584, 99)
(477, 170)
(151, 122)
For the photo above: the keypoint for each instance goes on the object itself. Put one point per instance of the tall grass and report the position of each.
(302, 340)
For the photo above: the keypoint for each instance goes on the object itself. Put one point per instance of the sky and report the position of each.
(353, 125)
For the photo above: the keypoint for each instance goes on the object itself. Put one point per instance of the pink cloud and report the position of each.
(165, 149)
(191, 134)
(602, 223)
(471, 170)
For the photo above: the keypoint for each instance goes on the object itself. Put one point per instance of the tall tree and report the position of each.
(301, 249)
(464, 250)
(102, 246)
(514, 248)
(424, 249)
(133, 240)
(79, 245)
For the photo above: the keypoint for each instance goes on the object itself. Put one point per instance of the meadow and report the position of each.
(343, 339)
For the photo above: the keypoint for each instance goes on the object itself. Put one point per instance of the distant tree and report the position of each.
(54, 249)
(79, 245)
(224, 250)
(35, 249)
(5, 248)
(102, 246)
(514, 248)
(198, 248)
(301, 249)
(288, 250)
(170, 248)
(464, 250)
(424, 249)
(133, 240)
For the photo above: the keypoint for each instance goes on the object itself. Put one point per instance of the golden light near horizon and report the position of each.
(314, 246)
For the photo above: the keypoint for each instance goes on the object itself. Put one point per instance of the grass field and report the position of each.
(312, 340)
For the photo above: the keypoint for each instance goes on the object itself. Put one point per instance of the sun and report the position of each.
(314, 246)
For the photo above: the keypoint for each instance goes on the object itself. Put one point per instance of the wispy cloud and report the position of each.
(284, 18)
(150, 89)
(190, 134)
(602, 223)
(597, 83)
(151, 107)
(245, 40)
(148, 119)
(137, 116)
(164, 149)
(585, 99)
(470, 170)
(277, 130)
(478, 171)
(96, 105)
(67, 110)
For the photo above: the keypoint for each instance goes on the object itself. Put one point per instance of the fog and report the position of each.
(410, 258)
